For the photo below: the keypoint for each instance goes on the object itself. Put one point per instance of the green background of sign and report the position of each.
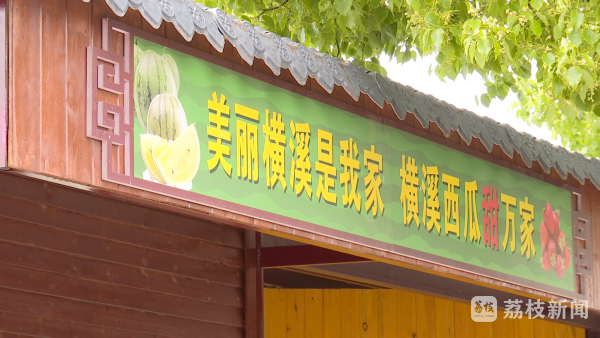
(199, 79)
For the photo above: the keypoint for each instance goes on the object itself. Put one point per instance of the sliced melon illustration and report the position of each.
(179, 162)
(147, 141)
(159, 147)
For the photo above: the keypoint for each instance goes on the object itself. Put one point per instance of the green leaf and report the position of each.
(343, 6)
(448, 50)
(590, 36)
(557, 88)
(502, 91)
(438, 37)
(494, 65)
(542, 17)
(537, 4)
(557, 32)
(588, 82)
(574, 75)
(484, 47)
(575, 38)
(597, 109)
(589, 61)
(536, 27)
(349, 19)
(567, 109)
(432, 18)
(472, 49)
(486, 100)
(497, 49)
(475, 24)
(581, 103)
(480, 59)
(550, 113)
(268, 22)
(446, 3)
(577, 19)
(414, 4)
(548, 59)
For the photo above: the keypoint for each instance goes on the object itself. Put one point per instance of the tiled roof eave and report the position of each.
(191, 18)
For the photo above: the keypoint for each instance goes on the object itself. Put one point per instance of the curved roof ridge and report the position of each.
(190, 18)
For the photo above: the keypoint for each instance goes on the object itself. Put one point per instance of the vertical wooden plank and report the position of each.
(389, 313)
(579, 332)
(313, 305)
(463, 324)
(503, 327)
(444, 318)
(350, 313)
(407, 318)
(560, 330)
(523, 327)
(277, 313)
(78, 145)
(425, 310)
(252, 289)
(3, 86)
(332, 315)
(267, 312)
(483, 329)
(54, 61)
(369, 314)
(25, 77)
(570, 331)
(295, 313)
(543, 328)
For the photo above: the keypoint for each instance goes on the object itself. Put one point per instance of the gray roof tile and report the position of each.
(189, 17)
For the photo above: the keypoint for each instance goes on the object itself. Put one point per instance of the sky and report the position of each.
(460, 93)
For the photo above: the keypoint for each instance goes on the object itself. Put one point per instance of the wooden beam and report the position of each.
(294, 255)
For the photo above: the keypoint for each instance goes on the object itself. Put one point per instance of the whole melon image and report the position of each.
(137, 56)
(178, 164)
(152, 77)
(169, 61)
(166, 117)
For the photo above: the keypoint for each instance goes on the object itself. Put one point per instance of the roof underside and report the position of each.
(191, 18)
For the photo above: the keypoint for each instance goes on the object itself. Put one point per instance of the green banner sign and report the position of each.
(212, 131)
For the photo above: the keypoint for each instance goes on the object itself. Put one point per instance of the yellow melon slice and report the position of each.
(179, 162)
(159, 147)
(147, 141)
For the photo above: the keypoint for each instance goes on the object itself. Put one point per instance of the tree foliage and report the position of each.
(546, 51)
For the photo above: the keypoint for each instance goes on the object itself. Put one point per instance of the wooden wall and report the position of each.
(352, 313)
(47, 67)
(73, 264)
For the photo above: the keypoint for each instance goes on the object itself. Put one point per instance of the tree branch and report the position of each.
(271, 9)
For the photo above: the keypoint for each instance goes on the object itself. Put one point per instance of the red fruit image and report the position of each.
(551, 247)
(555, 252)
(546, 264)
(551, 219)
(544, 235)
(558, 268)
(561, 241)
(566, 258)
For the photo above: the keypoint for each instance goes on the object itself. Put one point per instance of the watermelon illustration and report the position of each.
(166, 117)
(152, 77)
(169, 61)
